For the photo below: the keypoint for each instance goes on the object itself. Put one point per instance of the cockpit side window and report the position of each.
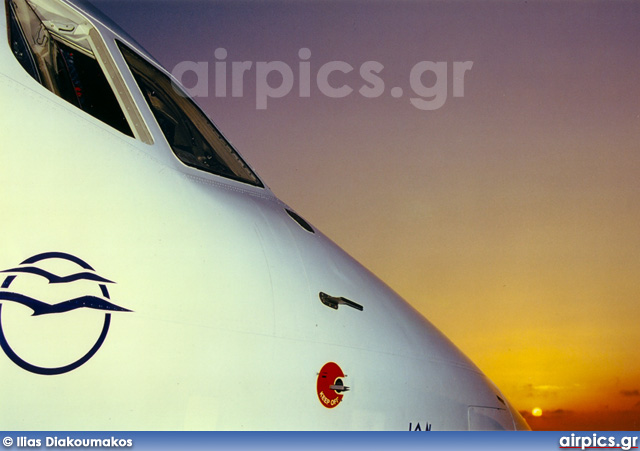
(192, 137)
(68, 70)
(19, 46)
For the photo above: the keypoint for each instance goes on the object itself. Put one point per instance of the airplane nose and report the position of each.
(519, 423)
(500, 416)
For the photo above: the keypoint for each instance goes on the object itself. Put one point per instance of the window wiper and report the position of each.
(335, 302)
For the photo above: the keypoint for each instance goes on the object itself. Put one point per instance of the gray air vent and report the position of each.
(304, 224)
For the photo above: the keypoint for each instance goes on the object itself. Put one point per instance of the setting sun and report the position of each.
(536, 412)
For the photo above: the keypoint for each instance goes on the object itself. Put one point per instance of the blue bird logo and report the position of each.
(40, 308)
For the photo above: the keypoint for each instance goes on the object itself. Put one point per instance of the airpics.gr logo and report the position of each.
(53, 344)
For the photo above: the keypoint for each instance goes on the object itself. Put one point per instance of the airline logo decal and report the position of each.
(57, 337)
(330, 385)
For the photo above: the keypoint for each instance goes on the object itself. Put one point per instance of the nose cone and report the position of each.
(519, 423)
(485, 414)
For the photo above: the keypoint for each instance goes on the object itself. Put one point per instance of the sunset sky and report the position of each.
(509, 217)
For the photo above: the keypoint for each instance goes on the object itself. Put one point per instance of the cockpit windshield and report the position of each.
(192, 137)
(57, 54)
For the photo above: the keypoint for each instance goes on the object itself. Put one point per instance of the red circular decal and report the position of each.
(330, 379)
